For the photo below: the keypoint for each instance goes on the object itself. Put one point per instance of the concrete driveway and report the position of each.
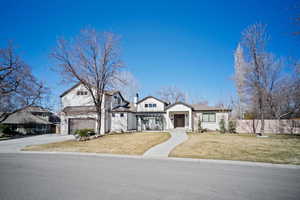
(15, 145)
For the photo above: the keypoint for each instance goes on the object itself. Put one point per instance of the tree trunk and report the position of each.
(262, 127)
(253, 126)
(99, 116)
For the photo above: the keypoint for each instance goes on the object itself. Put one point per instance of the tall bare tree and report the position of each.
(18, 87)
(172, 94)
(127, 84)
(93, 59)
(257, 72)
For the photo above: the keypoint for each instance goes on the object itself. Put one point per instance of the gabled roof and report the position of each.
(79, 109)
(179, 102)
(77, 84)
(24, 117)
(37, 109)
(198, 107)
(153, 98)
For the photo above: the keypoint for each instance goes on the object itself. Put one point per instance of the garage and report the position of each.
(81, 123)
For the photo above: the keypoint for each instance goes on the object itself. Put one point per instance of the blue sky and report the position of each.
(189, 44)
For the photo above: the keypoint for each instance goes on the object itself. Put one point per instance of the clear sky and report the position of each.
(189, 44)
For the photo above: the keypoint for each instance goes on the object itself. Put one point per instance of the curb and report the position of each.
(227, 162)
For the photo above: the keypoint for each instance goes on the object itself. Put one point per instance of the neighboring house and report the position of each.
(120, 115)
(33, 120)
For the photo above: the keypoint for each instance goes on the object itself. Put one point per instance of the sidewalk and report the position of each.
(162, 150)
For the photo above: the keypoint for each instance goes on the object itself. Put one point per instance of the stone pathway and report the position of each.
(178, 136)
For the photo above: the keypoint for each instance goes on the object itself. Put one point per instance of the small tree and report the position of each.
(199, 125)
(222, 126)
(232, 126)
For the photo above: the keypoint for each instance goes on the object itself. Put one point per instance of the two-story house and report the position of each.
(120, 115)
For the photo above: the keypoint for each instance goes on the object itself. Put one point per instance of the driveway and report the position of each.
(178, 136)
(15, 145)
(57, 176)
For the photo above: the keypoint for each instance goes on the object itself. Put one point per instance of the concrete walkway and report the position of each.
(162, 150)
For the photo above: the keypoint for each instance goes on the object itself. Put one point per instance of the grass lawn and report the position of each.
(127, 143)
(284, 149)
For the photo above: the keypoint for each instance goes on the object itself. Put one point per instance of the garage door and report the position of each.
(75, 124)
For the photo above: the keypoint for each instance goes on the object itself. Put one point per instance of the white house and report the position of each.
(120, 115)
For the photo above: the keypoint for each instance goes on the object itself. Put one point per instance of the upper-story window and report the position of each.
(117, 100)
(150, 105)
(81, 92)
(209, 117)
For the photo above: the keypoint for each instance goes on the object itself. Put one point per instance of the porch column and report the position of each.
(190, 120)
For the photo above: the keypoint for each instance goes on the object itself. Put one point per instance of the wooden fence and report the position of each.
(273, 126)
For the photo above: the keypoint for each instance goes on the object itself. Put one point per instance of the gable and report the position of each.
(179, 106)
(150, 104)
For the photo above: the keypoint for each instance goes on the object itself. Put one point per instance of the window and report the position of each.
(150, 105)
(121, 114)
(154, 105)
(113, 114)
(82, 92)
(146, 105)
(209, 117)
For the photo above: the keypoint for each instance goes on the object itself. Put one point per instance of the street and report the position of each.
(58, 176)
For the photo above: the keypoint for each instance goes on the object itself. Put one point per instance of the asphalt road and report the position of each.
(51, 176)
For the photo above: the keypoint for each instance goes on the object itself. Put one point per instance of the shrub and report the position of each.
(199, 125)
(222, 126)
(85, 132)
(232, 126)
(4, 129)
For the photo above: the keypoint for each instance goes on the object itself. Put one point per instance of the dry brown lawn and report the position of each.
(127, 143)
(284, 149)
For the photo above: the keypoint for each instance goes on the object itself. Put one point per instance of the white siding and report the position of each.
(179, 109)
(118, 123)
(72, 99)
(160, 107)
(131, 121)
(210, 125)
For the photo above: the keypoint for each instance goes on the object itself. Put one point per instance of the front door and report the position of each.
(179, 120)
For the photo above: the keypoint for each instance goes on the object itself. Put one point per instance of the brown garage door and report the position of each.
(75, 124)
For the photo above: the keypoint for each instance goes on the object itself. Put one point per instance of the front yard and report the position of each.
(127, 143)
(284, 149)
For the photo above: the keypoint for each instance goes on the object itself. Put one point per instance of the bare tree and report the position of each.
(172, 94)
(257, 72)
(93, 59)
(127, 84)
(18, 87)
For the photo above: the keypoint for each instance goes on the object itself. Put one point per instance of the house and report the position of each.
(32, 120)
(120, 115)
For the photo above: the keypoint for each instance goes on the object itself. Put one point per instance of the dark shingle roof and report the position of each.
(24, 117)
(201, 107)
